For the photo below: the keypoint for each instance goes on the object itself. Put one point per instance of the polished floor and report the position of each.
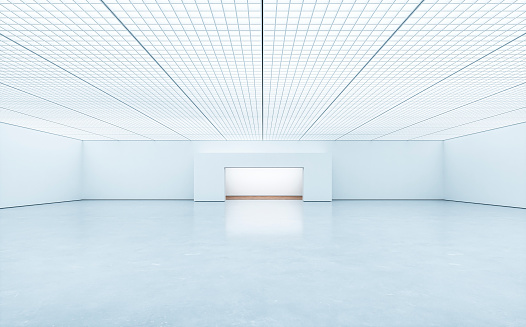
(263, 263)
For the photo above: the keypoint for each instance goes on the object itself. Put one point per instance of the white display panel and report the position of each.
(264, 181)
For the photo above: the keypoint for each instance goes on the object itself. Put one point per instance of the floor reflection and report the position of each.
(249, 218)
(270, 263)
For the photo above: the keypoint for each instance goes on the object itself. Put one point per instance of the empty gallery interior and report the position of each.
(263, 163)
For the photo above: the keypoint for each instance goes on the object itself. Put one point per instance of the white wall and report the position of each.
(387, 170)
(138, 170)
(488, 167)
(262, 146)
(37, 167)
(361, 169)
(264, 181)
(160, 169)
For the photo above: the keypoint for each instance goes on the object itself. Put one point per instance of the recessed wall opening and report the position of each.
(268, 183)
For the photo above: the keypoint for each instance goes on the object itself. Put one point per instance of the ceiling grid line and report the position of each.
(85, 81)
(382, 70)
(327, 70)
(427, 88)
(471, 122)
(68, 108)
(374, 55)
(54, 122)
(310, 52)
(450, 110)
(195, 66)
(301, 51)
(170, 77)
(310, 72)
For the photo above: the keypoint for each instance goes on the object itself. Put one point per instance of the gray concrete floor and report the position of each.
(263, 263)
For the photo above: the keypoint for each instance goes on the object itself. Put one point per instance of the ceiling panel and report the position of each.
(272, 70)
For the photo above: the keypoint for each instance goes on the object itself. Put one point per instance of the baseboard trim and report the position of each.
(387, 199)
(267, 197)
(137, 200)
(39, 204)
(262, 198)
(486, 204)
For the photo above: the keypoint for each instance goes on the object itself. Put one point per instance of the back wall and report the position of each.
(164, 169)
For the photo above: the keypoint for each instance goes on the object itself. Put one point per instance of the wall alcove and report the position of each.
(209, 172)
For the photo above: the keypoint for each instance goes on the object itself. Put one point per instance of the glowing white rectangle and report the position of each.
(264, 181)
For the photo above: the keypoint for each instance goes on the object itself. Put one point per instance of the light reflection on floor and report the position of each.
(263, 218)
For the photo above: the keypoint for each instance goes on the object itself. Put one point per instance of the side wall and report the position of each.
(37, 167)
(488, 167)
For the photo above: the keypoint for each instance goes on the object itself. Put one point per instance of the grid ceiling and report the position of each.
(272, 70)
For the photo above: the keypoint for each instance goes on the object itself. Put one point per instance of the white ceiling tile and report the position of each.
(299, 70)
